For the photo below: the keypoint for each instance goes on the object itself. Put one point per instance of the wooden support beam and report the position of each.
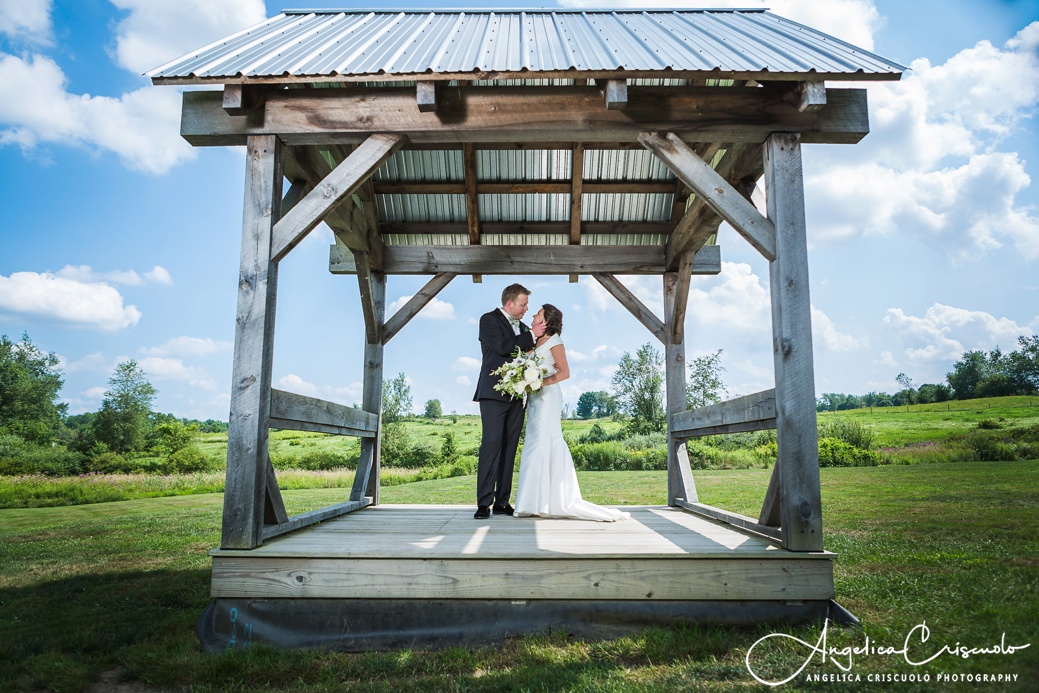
(520, 187)
(241, 99)
(683, 278)
(415, 304)
(366, 479)
(342, 181)
(472, 203)
(313, 517)
(274, 512)
(714, 190)
(365, 280)
(731, 518)
(536, 227)
(616, 94)
(630, 301)
(576, 193)
(245, 492)
(680, 482)
(426, 96)
(806, 96)
(754, 412)
(526, 115)
(512, 259)
(296, 192)
(301, 413)
(700, 222)
(773, 500)
(796, 434)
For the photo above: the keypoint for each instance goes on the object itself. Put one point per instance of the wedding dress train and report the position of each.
(547, 479)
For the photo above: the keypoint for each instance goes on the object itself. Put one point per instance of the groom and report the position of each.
(500, 415)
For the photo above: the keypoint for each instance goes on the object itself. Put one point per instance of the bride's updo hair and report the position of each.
(553, 319)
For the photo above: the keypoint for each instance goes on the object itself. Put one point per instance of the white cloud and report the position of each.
(158, 31)
(851, 20)
(464, 381)
(159, 275)
(434, 310)
(90, 362)
(84, 273)
(188, 346)
(78, 303)
(931, 165)
(162, 368)
(26, 20)
(141, 127)
(825, 333)
(737, 299)
(349, 395)
(943, 333)
(466, 363)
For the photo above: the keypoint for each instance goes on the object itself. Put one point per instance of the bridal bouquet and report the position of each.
(522, 375)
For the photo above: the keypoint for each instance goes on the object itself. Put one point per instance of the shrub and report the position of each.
(596, 434)
(990, 424)
(834, 452)
(848, 430)
(26, 459)
(187, 460)
(991, 447)
(643, 441)
(111, 463)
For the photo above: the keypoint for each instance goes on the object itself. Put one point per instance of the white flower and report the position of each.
(531, 374)
(511, 373)
(536, 385)
(520, 387)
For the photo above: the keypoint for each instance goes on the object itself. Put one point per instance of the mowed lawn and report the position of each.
(111, 591)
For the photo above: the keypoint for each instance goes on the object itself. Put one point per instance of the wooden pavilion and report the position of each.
(518, 143)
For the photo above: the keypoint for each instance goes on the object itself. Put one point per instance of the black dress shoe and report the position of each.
(482, 513)
(504, 509)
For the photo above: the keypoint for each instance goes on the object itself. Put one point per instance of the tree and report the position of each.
(123, 421)
(595, 405)
(1024, 365)
(705, 381)
(396, 399)
(638, 386)
(908, 389)
(29, 384)
(967, 374)
(433, 409)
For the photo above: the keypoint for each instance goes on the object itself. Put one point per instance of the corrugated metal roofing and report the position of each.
(303, 45)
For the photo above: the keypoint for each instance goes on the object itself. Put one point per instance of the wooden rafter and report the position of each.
(512, 259)
(472, 202)
(415, 304)
(576, 193)
(632, 303)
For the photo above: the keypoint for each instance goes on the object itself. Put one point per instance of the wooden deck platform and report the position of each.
(439, 552)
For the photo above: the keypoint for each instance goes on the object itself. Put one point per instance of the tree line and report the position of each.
(976, 374)
(38, 435)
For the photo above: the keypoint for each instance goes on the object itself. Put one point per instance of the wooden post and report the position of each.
(679, 476)
(366, 479)
(800, 503)
(247, 461)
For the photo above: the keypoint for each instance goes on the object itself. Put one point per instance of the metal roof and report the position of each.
(352, 45)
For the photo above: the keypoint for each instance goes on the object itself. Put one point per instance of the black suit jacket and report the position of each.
(498, 341)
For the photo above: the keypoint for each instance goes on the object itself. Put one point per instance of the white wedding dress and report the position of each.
(547, 479)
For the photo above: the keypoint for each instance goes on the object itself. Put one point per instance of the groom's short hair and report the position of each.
(512, 292)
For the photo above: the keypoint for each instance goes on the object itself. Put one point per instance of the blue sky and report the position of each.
(118, 240)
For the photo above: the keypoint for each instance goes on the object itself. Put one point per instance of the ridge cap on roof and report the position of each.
(528, 10)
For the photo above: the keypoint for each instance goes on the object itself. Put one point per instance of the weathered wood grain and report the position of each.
(731, 518)
(753, 412)
(247, 462)
(714, 190)
(366, 478)
(290, 411)
(796, 434)
(680, 482)
(295, 522)
(472, 203)
(342, 181)
(576, 193)
(616, 94)
(526, 115)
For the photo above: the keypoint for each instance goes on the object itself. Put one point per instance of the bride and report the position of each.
(547, 479)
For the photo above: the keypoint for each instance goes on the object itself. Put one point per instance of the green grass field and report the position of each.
(111, 591)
